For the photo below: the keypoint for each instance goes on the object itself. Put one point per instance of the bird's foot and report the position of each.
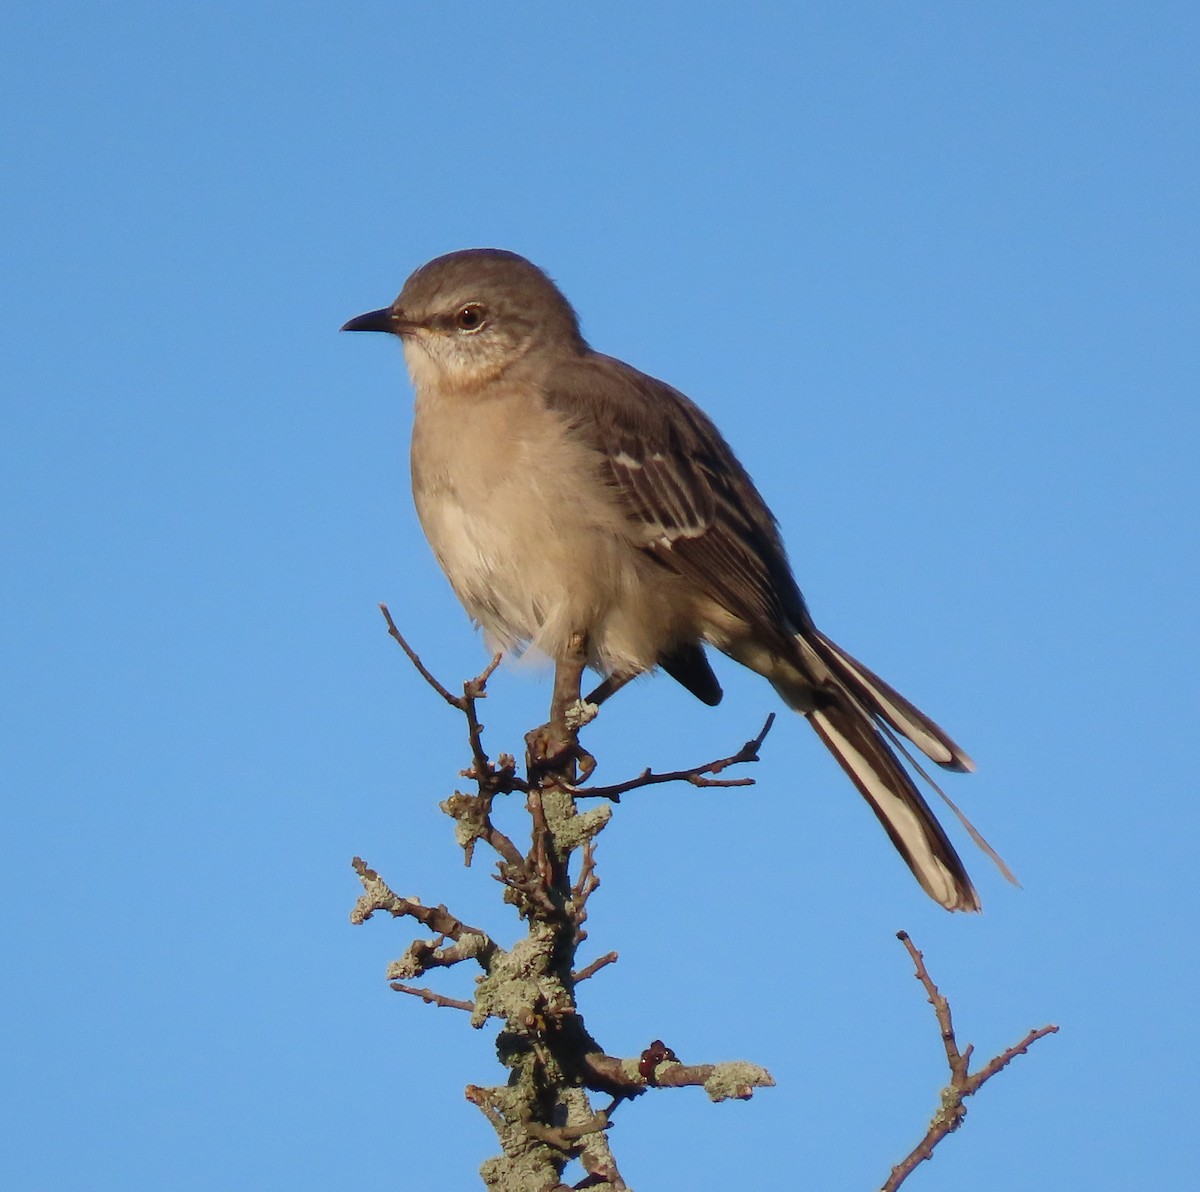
(553, 750)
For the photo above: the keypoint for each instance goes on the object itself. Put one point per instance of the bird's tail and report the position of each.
(863, 753)
(854, 712)
(882, 700)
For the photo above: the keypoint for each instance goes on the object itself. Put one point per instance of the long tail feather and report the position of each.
(975, 834)
(884, 783)
(885, 701)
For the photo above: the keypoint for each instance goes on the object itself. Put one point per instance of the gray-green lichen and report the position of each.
(419, 956)
(520, 980)
(574, 830)
(736, 1079)
(532, 1171)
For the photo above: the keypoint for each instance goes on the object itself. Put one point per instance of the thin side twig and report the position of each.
(582, 889)
(473, 689)
(432, 998)
(694, 774)
(453, 700)
(963, 1083)
(492, 780)
(590, 970)
(379, 896)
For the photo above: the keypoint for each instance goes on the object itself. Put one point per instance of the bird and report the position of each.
(570, 497)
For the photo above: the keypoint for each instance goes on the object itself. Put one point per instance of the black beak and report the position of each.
(376, 320)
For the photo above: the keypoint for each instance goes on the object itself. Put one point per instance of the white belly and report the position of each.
(531, 540)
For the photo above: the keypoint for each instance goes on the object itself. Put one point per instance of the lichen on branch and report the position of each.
(543, 1113)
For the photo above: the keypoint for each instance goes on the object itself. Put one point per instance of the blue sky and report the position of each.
(932, 268)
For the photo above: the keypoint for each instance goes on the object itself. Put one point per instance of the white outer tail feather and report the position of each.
(938, 880)
(883, 700)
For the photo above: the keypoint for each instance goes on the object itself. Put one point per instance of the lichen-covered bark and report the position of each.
(543, 1114)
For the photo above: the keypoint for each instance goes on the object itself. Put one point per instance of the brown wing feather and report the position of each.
(699, 510)
(701, 516)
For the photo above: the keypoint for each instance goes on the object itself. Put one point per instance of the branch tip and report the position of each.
(453, 700)
(696, 775)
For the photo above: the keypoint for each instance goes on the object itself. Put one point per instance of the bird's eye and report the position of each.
(469, 317)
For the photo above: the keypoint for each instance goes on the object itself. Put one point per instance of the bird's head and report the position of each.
(467, 317)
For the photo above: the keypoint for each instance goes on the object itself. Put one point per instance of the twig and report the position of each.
(541, 851)
(963, 1084)
(429, 997)
(473, 812)
(475, 687)
(563, 1136)
(491, 779)
(379, 896)
(587, 883)
(694, 775)
(453, 700)
(1006, 1057)
(422, 955)
(736, 1080)
(584, 887)
(590, 970)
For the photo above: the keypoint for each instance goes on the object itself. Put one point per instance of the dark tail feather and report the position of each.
(885, 784)
(688, 665)
(886, 702)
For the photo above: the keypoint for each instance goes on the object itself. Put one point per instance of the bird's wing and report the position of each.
(695, 507)
(697, 511)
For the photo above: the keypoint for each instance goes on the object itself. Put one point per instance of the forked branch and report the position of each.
(962, 1084)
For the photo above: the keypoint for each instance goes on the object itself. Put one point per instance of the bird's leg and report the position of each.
(552, 752)
(556, 744)
(568, 676)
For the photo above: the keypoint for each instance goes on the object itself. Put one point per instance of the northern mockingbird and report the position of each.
(566, 493)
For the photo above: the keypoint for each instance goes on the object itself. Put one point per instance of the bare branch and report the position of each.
(963, 1084)
(453, 700)
(582, 889)
(941, 1008)
(542, 1113)
(563, 1136)
(1006, 1057)
(590, 970)
(735, 1079)
(429, 997)
(541, 852)
(474, 688)
(491, 779)
(695, 774)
